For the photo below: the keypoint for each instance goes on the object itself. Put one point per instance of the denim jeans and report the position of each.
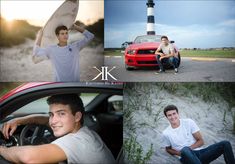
(209, 154)
(171, 60)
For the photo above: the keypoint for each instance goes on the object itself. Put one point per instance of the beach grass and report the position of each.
(6, 87)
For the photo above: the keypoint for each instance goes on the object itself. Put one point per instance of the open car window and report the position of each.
(41, 106)
(116, 103)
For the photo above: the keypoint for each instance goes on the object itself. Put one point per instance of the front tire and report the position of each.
(128, 68)
(179, 59)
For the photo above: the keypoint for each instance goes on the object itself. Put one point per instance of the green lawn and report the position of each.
(208, 53)
(113, 53)
(189, 53)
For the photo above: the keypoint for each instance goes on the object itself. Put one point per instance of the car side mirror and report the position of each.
(172, 41)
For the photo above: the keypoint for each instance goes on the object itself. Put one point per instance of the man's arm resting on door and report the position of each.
(10, 126)
(48, 153)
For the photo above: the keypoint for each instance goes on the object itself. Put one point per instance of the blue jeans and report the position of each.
(171, 60)
(209, 154)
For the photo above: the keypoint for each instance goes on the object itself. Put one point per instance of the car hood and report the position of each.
(146, 45)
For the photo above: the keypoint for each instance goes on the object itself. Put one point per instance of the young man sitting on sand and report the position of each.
(182, 138)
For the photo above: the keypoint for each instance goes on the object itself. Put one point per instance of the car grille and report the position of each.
(146, 52)
(147, 62)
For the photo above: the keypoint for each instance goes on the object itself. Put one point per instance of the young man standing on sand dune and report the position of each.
(182, 138)
(63, 56)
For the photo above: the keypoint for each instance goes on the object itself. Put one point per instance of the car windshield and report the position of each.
(41, 106)
(147, 38)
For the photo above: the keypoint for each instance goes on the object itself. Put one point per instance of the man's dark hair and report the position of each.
(57, 30)
(164, 37)
(170, 107)
(73, 100)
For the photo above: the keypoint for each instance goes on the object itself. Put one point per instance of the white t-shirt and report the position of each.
(182, 136)
(85, 146)
(168, 49)
(65, 60)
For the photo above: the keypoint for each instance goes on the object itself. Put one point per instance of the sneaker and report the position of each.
(176, 70)
(161, 71)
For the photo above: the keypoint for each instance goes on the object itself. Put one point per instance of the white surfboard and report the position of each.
(65, 15)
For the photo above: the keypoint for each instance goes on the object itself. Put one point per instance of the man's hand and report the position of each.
(159, 53)
(40, 33)
(76, 27)
(162, 57)
(39, 37)
(9, 128)
(172, 151)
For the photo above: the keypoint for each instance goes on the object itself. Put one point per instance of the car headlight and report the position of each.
(131, 52)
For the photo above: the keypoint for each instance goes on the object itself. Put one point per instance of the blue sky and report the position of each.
(200, 24)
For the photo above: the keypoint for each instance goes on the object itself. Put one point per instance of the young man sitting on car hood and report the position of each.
(75, 143)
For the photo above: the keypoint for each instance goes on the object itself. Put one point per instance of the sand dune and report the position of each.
(16, 64)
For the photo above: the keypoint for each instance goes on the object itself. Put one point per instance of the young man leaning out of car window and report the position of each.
(75, 143)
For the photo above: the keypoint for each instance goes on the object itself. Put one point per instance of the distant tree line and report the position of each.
(222, 48)
(17, 31)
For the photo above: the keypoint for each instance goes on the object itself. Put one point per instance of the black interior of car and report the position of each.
(107, 123)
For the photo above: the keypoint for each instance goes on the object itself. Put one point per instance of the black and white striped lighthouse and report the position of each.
(150, 17)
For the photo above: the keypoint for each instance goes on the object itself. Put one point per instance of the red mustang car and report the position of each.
(141, 52)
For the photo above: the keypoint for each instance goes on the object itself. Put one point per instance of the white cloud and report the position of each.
(200, 36)
(111, 35)
(196, 35)
(230, 22)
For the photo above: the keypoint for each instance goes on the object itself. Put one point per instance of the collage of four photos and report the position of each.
(117, 81)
